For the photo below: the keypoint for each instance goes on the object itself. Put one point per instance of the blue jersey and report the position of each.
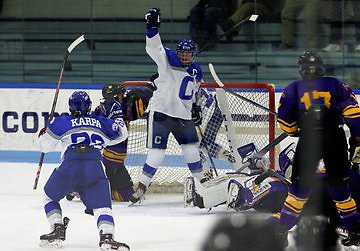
(333, 94)
(93, 131)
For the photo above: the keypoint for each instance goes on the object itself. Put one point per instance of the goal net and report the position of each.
(250, 124)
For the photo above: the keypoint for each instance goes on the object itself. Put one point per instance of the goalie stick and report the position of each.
(75, 43)
(221, 85)
(249, 18)
(267, 148)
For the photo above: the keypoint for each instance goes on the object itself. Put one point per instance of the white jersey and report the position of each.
(176, 86)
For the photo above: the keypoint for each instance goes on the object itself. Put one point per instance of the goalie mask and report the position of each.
(185, 51)
(79, 103)
(310, 66)
(113, 91)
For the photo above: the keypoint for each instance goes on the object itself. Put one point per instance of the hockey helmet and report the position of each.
(310, 66)
(79, 103)
(185, 52)
(112, 91)
(286, 160)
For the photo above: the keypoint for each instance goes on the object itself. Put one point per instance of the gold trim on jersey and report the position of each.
(114, 156)
(289, 128)
(352, 111)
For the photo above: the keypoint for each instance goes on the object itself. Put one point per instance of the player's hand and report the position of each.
(152, 18)
(196, 115)
(42, 132)
(356, 156)
(354, 150)
(111, 109)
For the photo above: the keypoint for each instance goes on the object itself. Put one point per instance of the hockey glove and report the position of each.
(111, 109)
(196, 114)
(152, 18)
(354, 150)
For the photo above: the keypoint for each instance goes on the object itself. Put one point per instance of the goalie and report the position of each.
(255, 188)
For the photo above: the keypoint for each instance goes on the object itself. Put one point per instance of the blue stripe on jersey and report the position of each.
(105, 218)
(172, 58)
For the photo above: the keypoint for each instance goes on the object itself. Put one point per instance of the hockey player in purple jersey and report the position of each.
(131, 106)
(170, 109)
(315, 109)
(82, 137)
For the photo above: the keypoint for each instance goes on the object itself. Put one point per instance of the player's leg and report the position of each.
(96, 197)
(185, 134)
(158, 133)
(337, 169)
(120, 181)
(57, 187)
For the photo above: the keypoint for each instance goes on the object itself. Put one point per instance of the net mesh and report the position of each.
(251, 124)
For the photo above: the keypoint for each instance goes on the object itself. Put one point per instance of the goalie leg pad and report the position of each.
(213, 192)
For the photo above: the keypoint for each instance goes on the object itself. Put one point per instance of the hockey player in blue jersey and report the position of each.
(315, 109)
(170, 109)
(82, 137)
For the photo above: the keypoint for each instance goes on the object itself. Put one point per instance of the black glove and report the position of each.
(196, 114)
(152, 18)
(111, 109)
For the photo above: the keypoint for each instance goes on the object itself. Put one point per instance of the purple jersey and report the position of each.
(335, 95)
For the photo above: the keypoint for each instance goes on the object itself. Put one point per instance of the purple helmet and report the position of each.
(185, 52)
(79, 103)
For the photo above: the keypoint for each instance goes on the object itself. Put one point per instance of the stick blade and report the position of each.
(75, 43)
(253, 17)
(214, 75)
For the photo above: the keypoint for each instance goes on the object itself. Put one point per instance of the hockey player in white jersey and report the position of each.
(82, 137)
(170, 109)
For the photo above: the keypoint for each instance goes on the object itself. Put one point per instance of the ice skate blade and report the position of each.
(107, 246)
(52, 244)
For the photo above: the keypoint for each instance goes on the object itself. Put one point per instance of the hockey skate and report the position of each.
(108, 243)
(352, 242)
(139, 194)
(189, 192)
(56, 237)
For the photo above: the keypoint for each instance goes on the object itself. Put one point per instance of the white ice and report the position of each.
(160, 223)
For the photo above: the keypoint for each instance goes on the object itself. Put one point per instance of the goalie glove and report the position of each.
(152, 18)
(196, 114)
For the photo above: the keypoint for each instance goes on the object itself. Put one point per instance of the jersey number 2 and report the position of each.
(86, 139)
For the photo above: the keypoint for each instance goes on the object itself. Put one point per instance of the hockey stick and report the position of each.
(221, 85)
(75, 43)
(208, 151)
(249, 18)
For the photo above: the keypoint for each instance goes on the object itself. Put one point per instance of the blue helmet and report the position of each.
(185, 52)
(79, 103)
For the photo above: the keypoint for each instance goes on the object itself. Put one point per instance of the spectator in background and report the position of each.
(205, 15)
(291, 10)
(263, 8)
(337, 11)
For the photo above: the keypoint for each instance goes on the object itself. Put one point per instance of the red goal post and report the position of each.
(251, 123)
